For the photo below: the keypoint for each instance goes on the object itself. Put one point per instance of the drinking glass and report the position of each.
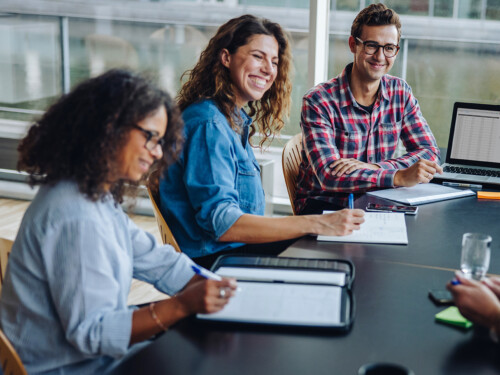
(475, 258)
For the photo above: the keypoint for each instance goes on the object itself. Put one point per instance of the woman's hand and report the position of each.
(206, 296)
(199, 296)
(340, 223)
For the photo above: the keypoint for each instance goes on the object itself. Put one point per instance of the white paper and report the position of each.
(280, 303)
(421, 193)
(379, 227)
(273, 274)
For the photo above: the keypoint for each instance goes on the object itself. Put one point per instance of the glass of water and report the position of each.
(475, 255)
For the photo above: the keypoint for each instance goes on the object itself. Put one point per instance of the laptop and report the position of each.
(473, 155)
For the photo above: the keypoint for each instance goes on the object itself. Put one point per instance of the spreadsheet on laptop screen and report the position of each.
(477, 135)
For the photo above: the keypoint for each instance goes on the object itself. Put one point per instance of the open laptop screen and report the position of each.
(475, 135)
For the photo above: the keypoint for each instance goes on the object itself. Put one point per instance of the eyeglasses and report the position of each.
(152, 139)
(371, 48)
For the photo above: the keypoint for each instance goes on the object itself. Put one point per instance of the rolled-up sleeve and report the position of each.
(210, 166)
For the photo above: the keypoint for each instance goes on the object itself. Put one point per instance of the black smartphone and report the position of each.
(441, 297)
(409, 210)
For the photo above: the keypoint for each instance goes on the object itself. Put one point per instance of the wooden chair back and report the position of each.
(10, 361)
(5, 248)
(154, 195)
(291, 159)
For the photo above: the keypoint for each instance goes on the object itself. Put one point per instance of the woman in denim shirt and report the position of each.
(212, 198)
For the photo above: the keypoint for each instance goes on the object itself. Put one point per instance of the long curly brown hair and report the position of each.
(210, 79)
(82, 134)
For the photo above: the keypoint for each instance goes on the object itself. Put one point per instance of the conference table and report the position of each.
(394, 319)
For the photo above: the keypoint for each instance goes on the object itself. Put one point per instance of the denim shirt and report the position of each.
(214, 182)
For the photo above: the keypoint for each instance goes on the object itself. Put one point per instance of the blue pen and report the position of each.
(205, 273)
(351, 201)
(455, 282)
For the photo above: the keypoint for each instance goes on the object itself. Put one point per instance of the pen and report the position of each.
(205, 273)
(351, 201)
(455, 282)
(459, 184)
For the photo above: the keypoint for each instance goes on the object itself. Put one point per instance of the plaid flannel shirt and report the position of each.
(335, 126)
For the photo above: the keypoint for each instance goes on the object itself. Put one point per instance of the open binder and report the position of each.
(282, 291)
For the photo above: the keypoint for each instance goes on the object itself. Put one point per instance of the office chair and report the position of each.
(165, 232)
(5, 248)
(10, 361)
(291, 159)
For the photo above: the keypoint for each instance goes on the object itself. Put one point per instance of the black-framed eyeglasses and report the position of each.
(152, 138)
(371, 48)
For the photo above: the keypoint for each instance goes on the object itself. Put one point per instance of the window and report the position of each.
(440, 61)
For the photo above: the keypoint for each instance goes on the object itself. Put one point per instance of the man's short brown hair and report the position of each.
(375, 15)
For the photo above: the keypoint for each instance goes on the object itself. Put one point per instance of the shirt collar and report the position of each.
(245, 119)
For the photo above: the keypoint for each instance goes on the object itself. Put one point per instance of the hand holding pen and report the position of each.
(478, 301)
(204, 294)
(224, 292)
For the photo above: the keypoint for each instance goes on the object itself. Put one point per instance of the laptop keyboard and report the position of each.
(472, 171)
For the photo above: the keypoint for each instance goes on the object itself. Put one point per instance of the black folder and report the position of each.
(313, 293)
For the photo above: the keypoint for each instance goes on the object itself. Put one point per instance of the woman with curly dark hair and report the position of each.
(64, 300)
(212, 197)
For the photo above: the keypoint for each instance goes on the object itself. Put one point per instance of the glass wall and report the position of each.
(30, 62)
(32, 57)
(442, 8)
(442, 73)
(453, 59)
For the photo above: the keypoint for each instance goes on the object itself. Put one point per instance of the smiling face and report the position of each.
(135, 159)
(370, 68)
(253, 67)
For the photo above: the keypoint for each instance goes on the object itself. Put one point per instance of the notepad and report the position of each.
(421, 193)
(315, 295)
(283, 303)
(379, 227)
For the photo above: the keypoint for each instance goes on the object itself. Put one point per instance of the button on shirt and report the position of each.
(335, 126)
(64, 300)
(215, 181)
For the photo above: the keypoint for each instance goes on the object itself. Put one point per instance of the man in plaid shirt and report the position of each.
(351, 124)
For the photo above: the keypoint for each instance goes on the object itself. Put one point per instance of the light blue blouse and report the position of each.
(64, 300)
(215, 181)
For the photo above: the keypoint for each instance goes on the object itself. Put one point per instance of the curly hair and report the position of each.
(210, 79)
(81, 135)
(375, 15)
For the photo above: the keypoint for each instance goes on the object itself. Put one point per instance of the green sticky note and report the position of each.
(452, 316)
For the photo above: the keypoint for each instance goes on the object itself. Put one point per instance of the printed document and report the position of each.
(379, 227)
